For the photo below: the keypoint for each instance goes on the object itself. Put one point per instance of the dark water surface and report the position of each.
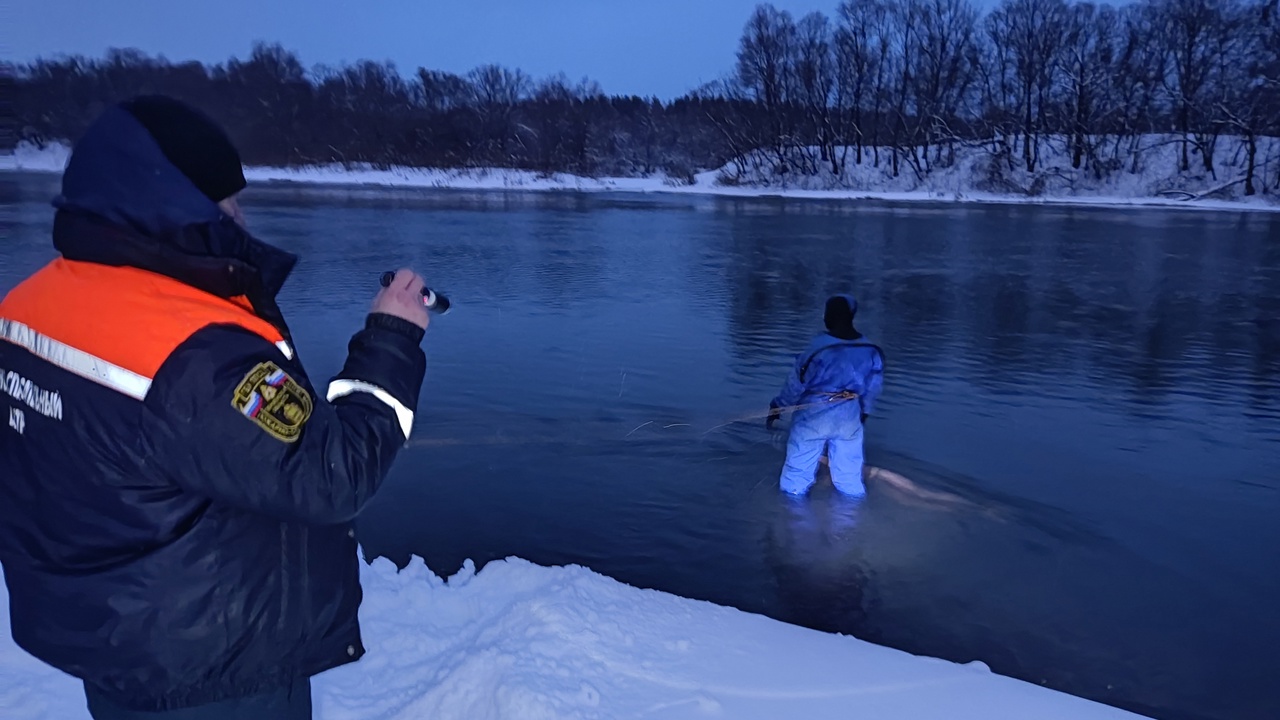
(1097, 391)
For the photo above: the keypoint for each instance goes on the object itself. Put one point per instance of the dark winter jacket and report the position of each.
(176, 496)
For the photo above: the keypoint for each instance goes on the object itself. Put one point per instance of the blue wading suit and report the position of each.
(832, 388)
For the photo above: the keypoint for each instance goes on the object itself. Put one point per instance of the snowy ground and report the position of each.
(519, 641)
(860, 182)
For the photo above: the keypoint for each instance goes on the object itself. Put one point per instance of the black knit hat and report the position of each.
(193, 142)
(838, 316)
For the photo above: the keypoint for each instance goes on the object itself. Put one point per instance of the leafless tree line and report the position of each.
(915, 79)
(281, 113)
(900, 84)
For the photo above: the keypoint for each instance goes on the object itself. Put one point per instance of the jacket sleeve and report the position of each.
(794, 387)
(230, 417)
(873, 382)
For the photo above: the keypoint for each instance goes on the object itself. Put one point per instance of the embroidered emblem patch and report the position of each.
(273, 400)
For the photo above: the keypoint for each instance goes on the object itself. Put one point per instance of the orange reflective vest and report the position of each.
(116, 325)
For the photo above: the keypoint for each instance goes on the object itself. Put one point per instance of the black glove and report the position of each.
(775, 413)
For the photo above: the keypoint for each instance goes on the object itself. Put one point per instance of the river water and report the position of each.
(1087, 402)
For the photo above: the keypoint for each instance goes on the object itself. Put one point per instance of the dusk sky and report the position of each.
(649, 47)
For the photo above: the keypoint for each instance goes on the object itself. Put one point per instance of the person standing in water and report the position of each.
(832, 389)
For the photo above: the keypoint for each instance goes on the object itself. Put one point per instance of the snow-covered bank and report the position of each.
(1115, 171)
(522, 641)
(53, 159)
(862, 182)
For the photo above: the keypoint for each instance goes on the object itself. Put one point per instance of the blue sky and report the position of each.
(643, 47)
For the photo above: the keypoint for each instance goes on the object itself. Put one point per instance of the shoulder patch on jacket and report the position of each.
(274, 401)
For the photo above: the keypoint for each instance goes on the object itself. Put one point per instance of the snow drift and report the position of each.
(521, 641)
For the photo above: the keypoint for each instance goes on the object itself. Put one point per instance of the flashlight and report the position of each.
(433, 300)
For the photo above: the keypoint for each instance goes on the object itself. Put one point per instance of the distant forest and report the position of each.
(897, 83)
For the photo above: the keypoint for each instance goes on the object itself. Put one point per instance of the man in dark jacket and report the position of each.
(176, 497)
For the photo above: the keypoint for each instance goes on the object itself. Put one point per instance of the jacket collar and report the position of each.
(255, 270)
(849, 333)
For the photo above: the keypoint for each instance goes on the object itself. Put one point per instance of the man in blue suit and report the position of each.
(832, 388)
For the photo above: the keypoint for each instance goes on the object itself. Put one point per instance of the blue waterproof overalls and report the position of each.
(834, 383)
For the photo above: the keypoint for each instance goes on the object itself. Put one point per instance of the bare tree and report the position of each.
(944, 54)
(863, 57)
(1087, 61)
(1193, 35)
(1249, 102)
(1139, 74)
(1267, 16)
(563, 119)
(1033, 32)
(498, 91)
(765, 56)
(766, 75)
(814, 68)
(441, 92)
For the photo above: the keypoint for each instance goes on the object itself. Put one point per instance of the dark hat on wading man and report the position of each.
(193, 142)
(838, 317)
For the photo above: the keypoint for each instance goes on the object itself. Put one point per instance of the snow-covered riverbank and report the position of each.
(857, 182)
(519, 641)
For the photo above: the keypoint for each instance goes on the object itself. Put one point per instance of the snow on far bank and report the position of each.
(1122, 171)
(862, 182)
(30, 158)
(521, 641)
(53, 159)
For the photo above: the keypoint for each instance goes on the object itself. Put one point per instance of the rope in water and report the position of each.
(501, 439)
(890, 478)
